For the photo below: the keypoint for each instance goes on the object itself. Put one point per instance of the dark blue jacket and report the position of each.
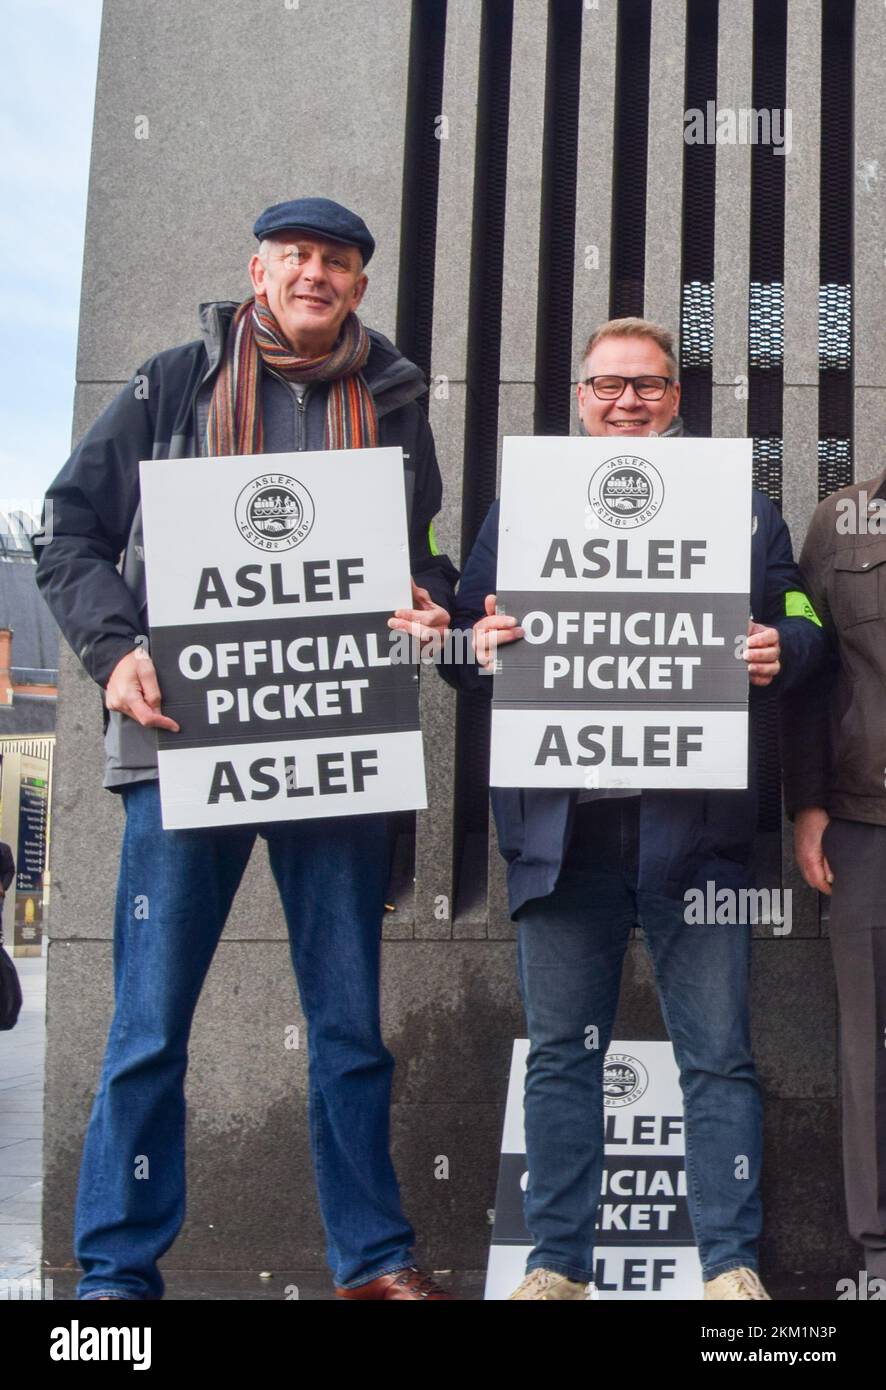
(686, 837)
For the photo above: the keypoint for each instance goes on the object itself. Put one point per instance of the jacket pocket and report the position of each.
(859, 584)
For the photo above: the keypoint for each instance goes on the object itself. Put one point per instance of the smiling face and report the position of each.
(628, 415)
(311, 286)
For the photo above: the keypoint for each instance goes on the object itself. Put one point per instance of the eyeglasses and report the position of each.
(609, 388)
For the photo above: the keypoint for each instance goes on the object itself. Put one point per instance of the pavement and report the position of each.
(21, 1127)
(21, 1146)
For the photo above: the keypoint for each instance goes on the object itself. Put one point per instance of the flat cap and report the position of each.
(320, 216)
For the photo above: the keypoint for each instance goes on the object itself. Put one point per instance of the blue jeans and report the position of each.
(571, 948)
(332, 878)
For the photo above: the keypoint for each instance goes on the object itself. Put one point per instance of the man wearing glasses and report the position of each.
(584, 868)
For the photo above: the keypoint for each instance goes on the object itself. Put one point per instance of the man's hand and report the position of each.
(809, 826)
(427, 620)
(762, 653)
(133, 690)
(491, 632)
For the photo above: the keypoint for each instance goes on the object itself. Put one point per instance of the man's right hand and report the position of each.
(809, 826)
(490, 632)
(133, 690)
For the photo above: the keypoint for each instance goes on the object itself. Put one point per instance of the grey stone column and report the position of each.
(520, 291)
(801, 336)
(802, 230)
(732, 218)
(435, 887)
(594, 174)
(869, 239)
(664, 179)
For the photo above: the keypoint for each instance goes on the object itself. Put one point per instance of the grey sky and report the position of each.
(46, 104)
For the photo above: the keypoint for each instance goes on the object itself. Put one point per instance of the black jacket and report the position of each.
(161, 413)
(7, 866)
(686, 837)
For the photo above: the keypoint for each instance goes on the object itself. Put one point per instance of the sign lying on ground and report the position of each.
(270, 582)
(629, 572)
(644, 1245)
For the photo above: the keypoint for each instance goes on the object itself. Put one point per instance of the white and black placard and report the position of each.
(644, 1242)
(629, 570)
(270, 582)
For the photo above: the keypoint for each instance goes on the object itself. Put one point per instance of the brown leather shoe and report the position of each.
(403, 1283)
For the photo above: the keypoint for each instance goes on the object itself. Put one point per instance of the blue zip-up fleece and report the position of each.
(162, 413)
(687, 838)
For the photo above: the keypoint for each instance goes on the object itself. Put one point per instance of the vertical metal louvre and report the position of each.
(557, 240)
(835, 283)
(415, 306)
(766, 326)
(766, 339)
(424, 97)
(629, 174)
(481, 431)
(699, 187)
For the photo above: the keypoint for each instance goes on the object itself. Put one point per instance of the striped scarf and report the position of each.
(235, 418)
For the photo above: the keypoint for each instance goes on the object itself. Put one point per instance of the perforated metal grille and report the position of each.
(766, 325)
(697, 325)
(699, 199)
(835, 327)
(835, 415)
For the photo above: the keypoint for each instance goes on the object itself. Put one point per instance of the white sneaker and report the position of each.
(545, 1283)
(742, 1283)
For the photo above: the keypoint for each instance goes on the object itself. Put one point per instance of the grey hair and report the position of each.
(636, 328)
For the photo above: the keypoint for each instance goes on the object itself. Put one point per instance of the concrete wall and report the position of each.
(250, 103)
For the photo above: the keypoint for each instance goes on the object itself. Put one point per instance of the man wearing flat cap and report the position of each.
(291, 368)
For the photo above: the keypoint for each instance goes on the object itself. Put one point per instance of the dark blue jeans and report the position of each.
(332, 878)
(571, 948)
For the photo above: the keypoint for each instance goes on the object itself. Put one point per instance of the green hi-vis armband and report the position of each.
(797, 605)
(432, 539)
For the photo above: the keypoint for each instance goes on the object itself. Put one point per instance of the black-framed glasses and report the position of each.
(609, 388)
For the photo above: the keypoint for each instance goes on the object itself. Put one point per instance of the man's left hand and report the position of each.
(762, 653)
(426, 620)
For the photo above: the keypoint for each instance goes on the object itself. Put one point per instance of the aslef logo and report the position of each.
(274, 512)
(625, 1080)
(626, 491)
(76, 1343)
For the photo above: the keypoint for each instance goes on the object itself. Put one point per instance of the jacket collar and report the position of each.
(391, 377)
